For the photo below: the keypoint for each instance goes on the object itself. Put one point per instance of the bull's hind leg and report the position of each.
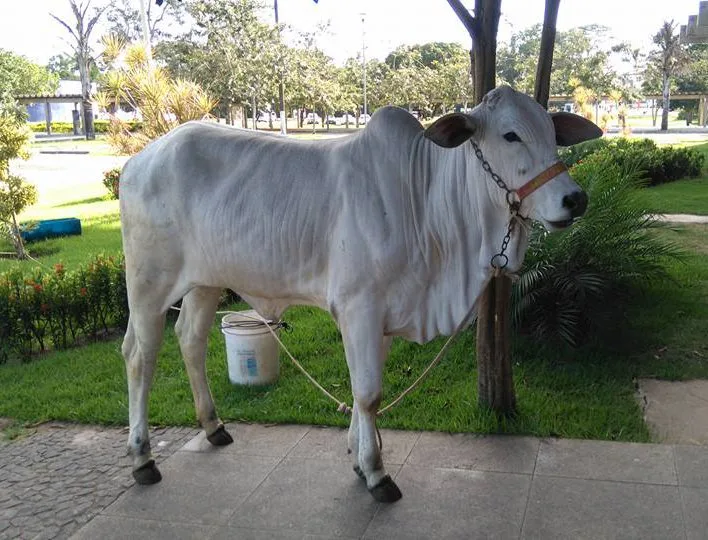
(140, 347)
(195, 320)
(366, 354)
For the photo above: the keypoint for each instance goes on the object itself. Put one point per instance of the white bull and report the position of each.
(390, 230)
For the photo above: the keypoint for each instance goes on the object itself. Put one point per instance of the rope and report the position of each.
(342, 407)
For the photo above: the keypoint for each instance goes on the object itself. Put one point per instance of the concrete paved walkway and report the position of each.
(296, 482)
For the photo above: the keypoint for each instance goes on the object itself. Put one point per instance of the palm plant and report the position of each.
(575, 284)
(163, 103)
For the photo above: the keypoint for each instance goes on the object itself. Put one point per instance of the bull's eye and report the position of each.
(512, 137)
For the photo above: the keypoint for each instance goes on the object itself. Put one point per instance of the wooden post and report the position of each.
(545, 56)
(495, 382)
(48, 116)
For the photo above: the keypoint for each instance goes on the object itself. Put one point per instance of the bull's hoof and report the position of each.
(147, 474)
(359, 472)
(386, 491)
(220, 437)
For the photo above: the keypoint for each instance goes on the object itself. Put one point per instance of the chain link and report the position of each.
(501, 260)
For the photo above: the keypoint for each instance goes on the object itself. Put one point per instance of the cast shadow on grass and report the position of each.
(82, 201)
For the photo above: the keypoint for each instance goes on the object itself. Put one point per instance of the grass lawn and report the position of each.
(569, 393)
(689, 196)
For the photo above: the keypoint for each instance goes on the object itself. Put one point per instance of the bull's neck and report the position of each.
(458, 208)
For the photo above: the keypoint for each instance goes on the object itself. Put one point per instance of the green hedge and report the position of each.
(99, 126)
(658, 165)
(40, 309)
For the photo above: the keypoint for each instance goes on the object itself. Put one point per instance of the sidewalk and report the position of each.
(296, 482)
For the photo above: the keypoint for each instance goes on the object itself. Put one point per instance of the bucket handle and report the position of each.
(256, 323)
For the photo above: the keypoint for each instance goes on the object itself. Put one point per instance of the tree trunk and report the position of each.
(654, 111)
(666, 103)
(482, 28)
(484, 46)
(254, 113)
(17, 239)
(86, 105)
(545, 56)
(495, 383)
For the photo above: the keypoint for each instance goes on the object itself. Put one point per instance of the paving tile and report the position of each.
(314, 496)
(497, 453)
(602, 460)
(331, 443)
(565, 508)
(453, 503)
(202, 488)
(228, 533)
(692, 465)
(253, 439)
(695, 512)
(119, 528)
(676, 411)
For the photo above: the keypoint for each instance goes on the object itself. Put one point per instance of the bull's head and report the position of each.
(519, 139)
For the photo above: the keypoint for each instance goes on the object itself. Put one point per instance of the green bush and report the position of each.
(658, 164)
(111, 179)
(58, 309)
(575, 285)
(62, 128)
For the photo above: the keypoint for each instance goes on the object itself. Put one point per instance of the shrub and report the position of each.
(575, 284)
(40, 309)
(111, 179)
(165, 103)
(15, 193)
(658, 164)
(100, 126)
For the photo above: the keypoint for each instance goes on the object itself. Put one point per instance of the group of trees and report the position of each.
(239, 58)
(233, 52)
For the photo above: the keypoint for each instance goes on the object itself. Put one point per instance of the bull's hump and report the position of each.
(390, 117)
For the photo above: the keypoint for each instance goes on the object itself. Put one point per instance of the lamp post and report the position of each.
(281, 86)
(363, 57)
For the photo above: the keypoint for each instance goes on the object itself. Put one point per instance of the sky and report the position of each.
(26, 27)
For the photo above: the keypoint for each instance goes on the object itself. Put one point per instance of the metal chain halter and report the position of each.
(501, 260)
(514, 198)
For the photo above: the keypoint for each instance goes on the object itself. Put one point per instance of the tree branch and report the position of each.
(71, 31)
(464, 15)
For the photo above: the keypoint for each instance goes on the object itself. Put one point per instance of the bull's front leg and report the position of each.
(366, 351)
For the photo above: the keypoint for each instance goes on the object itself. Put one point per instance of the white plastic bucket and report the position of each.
(252, 353)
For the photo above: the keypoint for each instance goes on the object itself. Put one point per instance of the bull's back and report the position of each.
(238, 209)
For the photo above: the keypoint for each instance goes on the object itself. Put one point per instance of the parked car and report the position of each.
(313, 118)
(265, 116)
(342, 120)
(364, 119)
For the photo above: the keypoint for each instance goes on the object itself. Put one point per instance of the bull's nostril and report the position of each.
(576, 202)
(569, 202)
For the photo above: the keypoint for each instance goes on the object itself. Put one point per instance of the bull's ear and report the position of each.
(573, 129)
(452, 129)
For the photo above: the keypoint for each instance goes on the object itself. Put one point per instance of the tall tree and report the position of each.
(124, 17)
(20, 76)
(669, 56)
(235, 52)
(81, 33)
(482, 28)
(579, 54)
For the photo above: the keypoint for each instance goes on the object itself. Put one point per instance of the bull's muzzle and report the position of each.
(576, 203)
